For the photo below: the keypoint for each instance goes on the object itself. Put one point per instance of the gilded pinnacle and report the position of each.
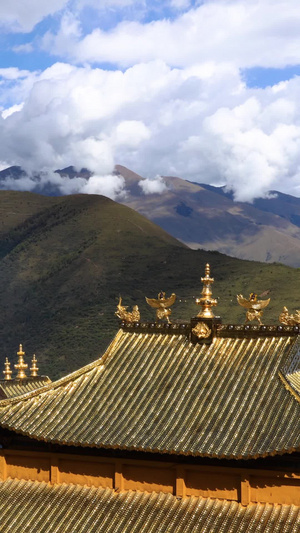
(21, 366)
(34, 369)
(7, 371)
(206, 301)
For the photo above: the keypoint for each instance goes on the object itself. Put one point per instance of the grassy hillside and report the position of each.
(64, 262)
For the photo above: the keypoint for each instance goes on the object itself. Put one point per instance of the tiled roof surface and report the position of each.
(160, 393)
(291, 371)
(28, 507)
(13, 388)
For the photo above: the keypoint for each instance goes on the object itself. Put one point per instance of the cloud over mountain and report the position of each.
(164, 95)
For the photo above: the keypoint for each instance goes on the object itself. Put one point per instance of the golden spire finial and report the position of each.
(21, 366)
(206, 301)
(7, 371)
(34, 369)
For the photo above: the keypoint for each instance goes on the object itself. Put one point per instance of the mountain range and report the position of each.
(204, 216)
(65, 260)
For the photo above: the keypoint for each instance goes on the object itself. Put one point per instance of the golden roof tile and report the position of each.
(16, 387)
(159, 392)
(291, 372)
(37, 506)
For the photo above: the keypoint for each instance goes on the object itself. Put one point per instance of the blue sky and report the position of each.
(207, 90)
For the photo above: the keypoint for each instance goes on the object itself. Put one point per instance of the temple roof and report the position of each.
(37, 506)
(11, 388)
(159, 392)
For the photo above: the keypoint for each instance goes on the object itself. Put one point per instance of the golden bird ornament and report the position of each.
(162, 304)
(254, 307)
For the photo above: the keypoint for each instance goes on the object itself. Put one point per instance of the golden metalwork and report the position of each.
(162, 305)
(206, 301)
(254, 307)
(289, 320)
(127, 316)
(34, 369)
(7, 371)
(21, 365)
(201, 330)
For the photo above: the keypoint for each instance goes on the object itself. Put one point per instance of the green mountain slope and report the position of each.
(202, 216)
(64, 262)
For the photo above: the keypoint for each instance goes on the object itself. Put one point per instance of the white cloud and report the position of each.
(153, 186)
(250, 147)
(13, 73)
(3, 165)
(201, 123)
(111, 186)
(15, 85)
(92, 153)
(26, 48)
(245, 33)
(130, 134)
(180, 4)
(13, 109)
(66, 38)
(23, 15)
(109, 4)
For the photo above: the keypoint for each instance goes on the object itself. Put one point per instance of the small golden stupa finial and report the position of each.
(34, 369)
(206, 301)
(7, 371)
(21, 365)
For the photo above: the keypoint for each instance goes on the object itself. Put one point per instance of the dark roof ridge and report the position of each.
(231, 329)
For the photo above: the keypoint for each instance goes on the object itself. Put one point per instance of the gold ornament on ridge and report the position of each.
(34, 369)
(162, 305)
(289, 320)
(206, 301)
(127, 316)
(7, 371)
(21, 365)
(201, 330)
(254, 307)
